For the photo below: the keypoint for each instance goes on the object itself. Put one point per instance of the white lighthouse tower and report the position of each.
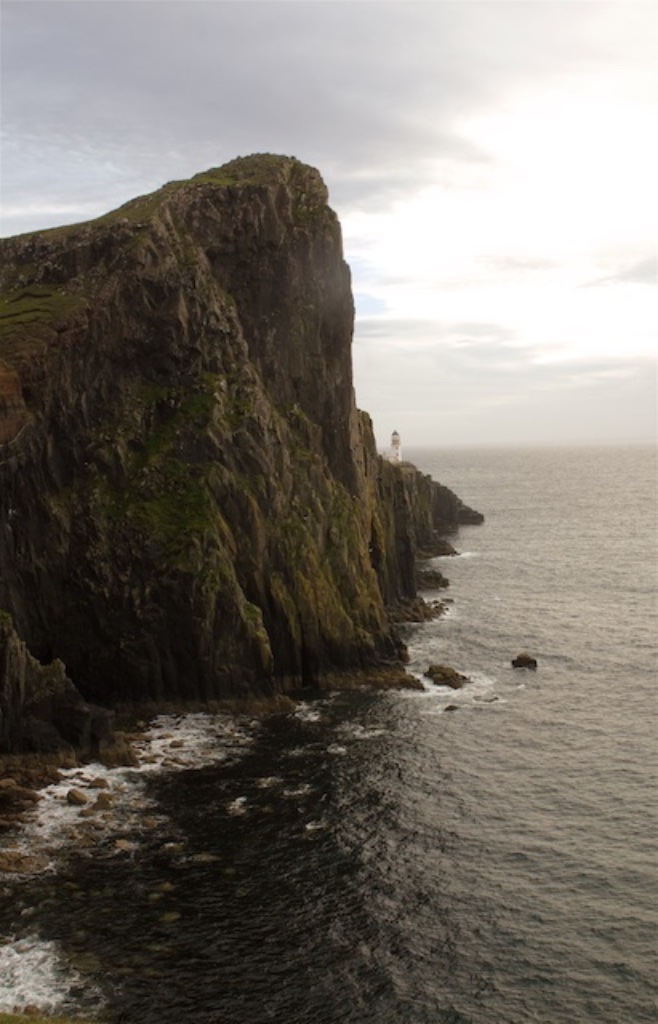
(396, 449)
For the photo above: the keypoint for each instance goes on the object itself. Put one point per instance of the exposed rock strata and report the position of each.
(13, 414)
(191, 506)
(40, 708)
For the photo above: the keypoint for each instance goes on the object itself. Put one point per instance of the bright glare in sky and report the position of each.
(533, 242)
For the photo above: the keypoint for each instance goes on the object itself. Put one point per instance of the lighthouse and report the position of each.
(396, 449)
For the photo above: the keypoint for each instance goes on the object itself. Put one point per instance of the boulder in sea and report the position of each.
(524, 660)
(444, 675)
(76, 798)
(14, 796)
(103, 802)
(98, 783)
(435, 547)
(15, 861)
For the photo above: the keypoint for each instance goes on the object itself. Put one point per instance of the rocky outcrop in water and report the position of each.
(524, 660)
(445, 675)
(191, 506)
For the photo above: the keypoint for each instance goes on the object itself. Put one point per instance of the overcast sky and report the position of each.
(493, 165)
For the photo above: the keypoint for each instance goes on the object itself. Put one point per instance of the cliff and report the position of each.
(191, 506)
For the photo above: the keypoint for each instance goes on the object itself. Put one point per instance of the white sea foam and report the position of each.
(306, 712)
(269, 781)
(172, 743)
(237, 806)
(477, 692)
(298, 791)
(190, 741)
(356, 731)
(428, 690)
(314, 826)
(32, 973)
(313, 710)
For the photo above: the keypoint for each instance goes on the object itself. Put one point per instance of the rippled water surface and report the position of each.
(482, 856)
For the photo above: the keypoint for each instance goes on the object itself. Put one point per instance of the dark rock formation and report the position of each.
(428, 577)
(416, 609)
(445, 675)
(441, 547)
(14, 861)
(14, 797)
(40, 708)
(524, 660)
(191, 506)
(13, 414)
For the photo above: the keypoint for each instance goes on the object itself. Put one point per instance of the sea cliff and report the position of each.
(191, 505)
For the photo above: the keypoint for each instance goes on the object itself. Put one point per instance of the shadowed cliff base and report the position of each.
(191, 506)
(36, 1018)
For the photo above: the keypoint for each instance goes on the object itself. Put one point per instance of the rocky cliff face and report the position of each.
(190, 504)
(41, 709)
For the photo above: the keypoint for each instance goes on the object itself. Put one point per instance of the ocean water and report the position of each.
(481, 856)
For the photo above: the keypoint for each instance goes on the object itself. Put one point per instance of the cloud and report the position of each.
(644, 271)
(467, 395)
(411, 336)
(371, 92)
(485, 158)
(515, 265)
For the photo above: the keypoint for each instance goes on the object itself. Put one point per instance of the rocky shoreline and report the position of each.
(102, 811)
(24, 774)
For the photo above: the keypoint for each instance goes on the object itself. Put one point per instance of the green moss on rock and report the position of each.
(29, 314)
(36, 1018)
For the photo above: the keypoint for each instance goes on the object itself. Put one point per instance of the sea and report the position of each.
(478, 856)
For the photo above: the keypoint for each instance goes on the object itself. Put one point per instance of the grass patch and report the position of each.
(259, 169)
(181, 410)
(165, 497)
(177, 509)
(27, 314)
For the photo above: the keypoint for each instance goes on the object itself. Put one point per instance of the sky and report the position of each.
(493, 164)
